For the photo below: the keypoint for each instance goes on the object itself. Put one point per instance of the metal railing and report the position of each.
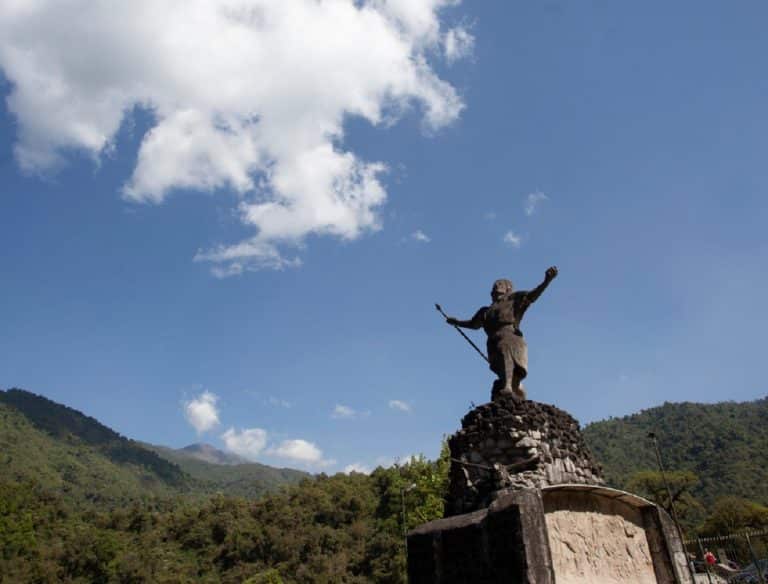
(740, 558)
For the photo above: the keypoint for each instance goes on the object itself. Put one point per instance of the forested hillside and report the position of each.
(79, 471)
(345, 528)
(60, 448)
(724, 444)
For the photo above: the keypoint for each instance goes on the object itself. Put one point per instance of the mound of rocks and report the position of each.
(510, 444)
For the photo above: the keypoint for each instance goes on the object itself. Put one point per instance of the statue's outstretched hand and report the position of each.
(551, 273)
(452, 321)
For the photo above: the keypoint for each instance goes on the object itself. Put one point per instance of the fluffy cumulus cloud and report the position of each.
(243, 95)
(248, 443)
(202, 412)
(419, 235)
(300, 451)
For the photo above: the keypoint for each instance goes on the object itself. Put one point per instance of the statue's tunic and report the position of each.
(507, 351)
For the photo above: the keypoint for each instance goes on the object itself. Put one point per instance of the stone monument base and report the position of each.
(562, 534)
(510, 444)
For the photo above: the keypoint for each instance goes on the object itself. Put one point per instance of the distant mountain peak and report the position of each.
(211, 454)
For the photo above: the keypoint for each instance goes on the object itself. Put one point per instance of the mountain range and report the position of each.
(58, 447)
(724, 444)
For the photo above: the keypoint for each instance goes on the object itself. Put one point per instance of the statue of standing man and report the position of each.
(507, 351)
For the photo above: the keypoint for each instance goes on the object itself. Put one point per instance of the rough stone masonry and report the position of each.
(511, 444)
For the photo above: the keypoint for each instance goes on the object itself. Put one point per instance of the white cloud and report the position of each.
(419, 235)
(513, 239)
(300, 451)
(532, 201)
(341, 411)
(202, 412)
(248, 95)
(396, 404)
(248, 443)
(458, 44)
(357, 467)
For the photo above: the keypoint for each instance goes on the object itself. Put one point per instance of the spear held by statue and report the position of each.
(461, 332)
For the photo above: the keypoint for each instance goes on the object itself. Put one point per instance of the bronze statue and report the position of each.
(507, 351)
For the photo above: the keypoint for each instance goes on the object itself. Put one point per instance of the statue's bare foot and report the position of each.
(504, 392)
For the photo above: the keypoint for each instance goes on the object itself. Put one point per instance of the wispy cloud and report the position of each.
(513, 239)
(458, 44)
(397, 404)
(201, 412)
(276, 138)
(419, 235)
(248, 443)
(489, 215)
(278, 402)
(341, 411)
(532, 202)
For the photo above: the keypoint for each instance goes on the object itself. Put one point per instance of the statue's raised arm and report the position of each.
(549, 275)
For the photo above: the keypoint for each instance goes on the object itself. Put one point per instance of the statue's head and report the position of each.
(501, 288)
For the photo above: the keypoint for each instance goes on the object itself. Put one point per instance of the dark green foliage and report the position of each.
(652, 486)
(733, 514)
(329, 529)
(725, 445)
(79, 471)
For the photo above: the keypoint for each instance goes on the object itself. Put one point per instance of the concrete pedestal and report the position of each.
(564, 534)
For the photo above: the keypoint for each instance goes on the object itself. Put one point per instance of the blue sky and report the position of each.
(142, 221)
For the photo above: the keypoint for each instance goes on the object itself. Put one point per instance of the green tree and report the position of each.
(733, 514)
(650, 484)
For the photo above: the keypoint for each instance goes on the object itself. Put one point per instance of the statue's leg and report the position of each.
(509, 369)
(502, 363)
(517, 387)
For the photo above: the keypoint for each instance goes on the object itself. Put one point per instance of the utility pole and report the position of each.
(655, 441)
(403, 491)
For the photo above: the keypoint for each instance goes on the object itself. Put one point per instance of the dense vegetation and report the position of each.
(73, 511)
(327, 529)
(79, 471)
(725, 445)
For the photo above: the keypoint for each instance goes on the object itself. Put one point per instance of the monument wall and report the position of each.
(605, 536)
(564, 534)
